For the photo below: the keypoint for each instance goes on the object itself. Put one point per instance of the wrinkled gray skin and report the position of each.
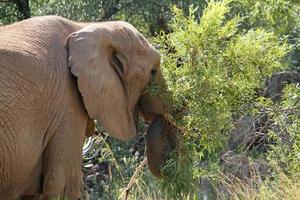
(56, 75)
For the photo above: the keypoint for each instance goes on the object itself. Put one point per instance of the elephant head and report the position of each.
(113, 64)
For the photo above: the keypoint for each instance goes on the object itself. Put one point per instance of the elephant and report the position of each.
(58, 76)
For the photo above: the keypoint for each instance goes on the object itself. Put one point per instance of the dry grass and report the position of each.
(281, 188)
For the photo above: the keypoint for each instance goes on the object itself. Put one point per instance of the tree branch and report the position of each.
(132, 181)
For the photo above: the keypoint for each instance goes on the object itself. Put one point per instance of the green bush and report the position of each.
(285, 130)
(214, 69)
(220, 70)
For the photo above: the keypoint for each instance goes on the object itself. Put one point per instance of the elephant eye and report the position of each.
(117, 65)
(153, 74)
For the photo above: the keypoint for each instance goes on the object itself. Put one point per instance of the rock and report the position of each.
(243, 167)
(248, 132)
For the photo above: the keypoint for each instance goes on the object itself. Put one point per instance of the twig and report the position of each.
(133, 179)
(283, 109)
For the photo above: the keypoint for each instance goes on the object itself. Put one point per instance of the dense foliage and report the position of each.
(149, 16)
(220, 60)
(214, 69)
(220, 69)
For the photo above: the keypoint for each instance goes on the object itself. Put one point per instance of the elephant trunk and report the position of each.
(161, 138)
(162, 134)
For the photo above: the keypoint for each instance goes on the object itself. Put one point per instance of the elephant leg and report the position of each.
(62, 180)
(34, 182)
(62, 184)
(54, 180)
(62, 162)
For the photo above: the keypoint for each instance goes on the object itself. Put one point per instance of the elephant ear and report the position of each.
(99, 75)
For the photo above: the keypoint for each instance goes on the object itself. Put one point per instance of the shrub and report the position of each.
(214, 69)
